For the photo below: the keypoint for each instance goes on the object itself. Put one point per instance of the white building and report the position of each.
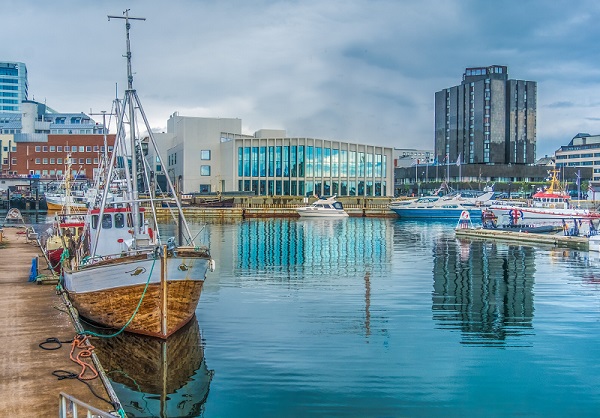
(204, 155)
(582, 151)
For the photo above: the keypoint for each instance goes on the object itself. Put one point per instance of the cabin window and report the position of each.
(119, 220)
(94, 221)
(107, 221)
(129, 220)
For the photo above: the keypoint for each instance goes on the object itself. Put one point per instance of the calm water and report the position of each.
(388, 318)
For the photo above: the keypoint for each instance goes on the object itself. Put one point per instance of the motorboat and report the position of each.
(324, 207)
(436, 207)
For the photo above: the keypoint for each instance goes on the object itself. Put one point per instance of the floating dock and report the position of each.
(579, 243)
(31, 313)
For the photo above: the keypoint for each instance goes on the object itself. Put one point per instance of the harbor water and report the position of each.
(367, 317)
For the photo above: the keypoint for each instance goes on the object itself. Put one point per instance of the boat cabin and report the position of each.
(116, 230)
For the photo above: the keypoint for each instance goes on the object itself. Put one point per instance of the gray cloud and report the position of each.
(361, 70)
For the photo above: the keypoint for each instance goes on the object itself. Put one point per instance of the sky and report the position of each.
(363, 71)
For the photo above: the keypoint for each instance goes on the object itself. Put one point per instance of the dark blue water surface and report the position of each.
(365, 317)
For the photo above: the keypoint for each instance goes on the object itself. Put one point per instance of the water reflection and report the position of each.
(484, 290)
(157, 378)
(315, 246)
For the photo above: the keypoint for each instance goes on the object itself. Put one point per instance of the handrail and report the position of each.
(68, 407)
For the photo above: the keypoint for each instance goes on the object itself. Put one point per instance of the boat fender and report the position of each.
(212, 265)
(151, 234)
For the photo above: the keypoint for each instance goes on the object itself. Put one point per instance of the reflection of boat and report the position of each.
(121, 273)
(549, 206)
(325, 207)
(154, 377)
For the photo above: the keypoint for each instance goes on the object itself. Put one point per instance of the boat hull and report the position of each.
(435, 213)
(310, 213)
(108, 293)
(540, 215)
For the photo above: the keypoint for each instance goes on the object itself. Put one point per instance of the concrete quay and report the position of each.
(29, 314)
(579, 243)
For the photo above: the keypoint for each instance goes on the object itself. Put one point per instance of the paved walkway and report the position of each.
(29, 314)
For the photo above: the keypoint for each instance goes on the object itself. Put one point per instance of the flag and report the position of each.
(458, 160)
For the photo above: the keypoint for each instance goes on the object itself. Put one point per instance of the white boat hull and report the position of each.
(541, 215)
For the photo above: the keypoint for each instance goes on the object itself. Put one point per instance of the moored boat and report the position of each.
(550, 206)
(121, 273)
(325, 207)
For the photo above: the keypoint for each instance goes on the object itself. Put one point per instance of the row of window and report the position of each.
(74, 148)
(309, 188)
(204, 155)
(308, 161)
(60, 161)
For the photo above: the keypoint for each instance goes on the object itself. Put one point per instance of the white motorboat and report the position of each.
(325, 207)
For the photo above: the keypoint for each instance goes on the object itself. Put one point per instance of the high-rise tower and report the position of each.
(13, 86)
(487, 119)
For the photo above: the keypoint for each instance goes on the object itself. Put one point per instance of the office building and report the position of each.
(205, 155)
(487, 119)
(13, 86)
(582, 151)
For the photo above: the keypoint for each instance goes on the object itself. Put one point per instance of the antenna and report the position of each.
(128, 56)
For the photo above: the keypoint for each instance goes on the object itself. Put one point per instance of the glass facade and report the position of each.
(306, 167)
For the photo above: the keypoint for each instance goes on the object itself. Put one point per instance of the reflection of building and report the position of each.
(212, 155)
(326, 247)
(482, 291)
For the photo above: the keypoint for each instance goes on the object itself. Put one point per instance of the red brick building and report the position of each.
(49, 159)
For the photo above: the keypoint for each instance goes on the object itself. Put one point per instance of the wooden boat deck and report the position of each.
(29, 314)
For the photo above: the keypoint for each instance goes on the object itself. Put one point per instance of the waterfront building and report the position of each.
(582, 151)
(487, 119)
(13, 86)
(205, 155)
(406, 157)
(36, 142)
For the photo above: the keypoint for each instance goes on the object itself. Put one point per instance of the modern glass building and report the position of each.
(208, 155)
(13, 86)
(582, 151)
(308, 166)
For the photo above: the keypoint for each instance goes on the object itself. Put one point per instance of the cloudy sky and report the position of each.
(353, 70)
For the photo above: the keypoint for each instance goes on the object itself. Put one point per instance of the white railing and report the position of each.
(68, 407)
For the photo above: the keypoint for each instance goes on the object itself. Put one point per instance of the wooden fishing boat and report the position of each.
(120, 272)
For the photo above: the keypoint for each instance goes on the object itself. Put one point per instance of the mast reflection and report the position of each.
(484, 290)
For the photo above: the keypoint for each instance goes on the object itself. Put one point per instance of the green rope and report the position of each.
(94, 334)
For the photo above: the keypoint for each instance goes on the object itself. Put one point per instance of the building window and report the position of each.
(13, 161)
(45, 149)
(88, 160)
(59, 161)
(96, 148)
(205, 188)
(38, 160)
(52, 161)
(88, 148)
(73, 148)
(59, 148)
(38, 148)
(45, 161)
(205, 154)
(52, 148)
(81, 148)
(205, 170)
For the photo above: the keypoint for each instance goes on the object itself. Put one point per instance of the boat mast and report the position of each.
(129, 105)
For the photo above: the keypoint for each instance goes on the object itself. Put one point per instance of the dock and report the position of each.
(579, 243)
(30, 313)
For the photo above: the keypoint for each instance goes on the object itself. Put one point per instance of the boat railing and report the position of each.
(69, 406)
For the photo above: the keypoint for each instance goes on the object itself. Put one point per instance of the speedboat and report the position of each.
(436, 207)
(324, 207)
